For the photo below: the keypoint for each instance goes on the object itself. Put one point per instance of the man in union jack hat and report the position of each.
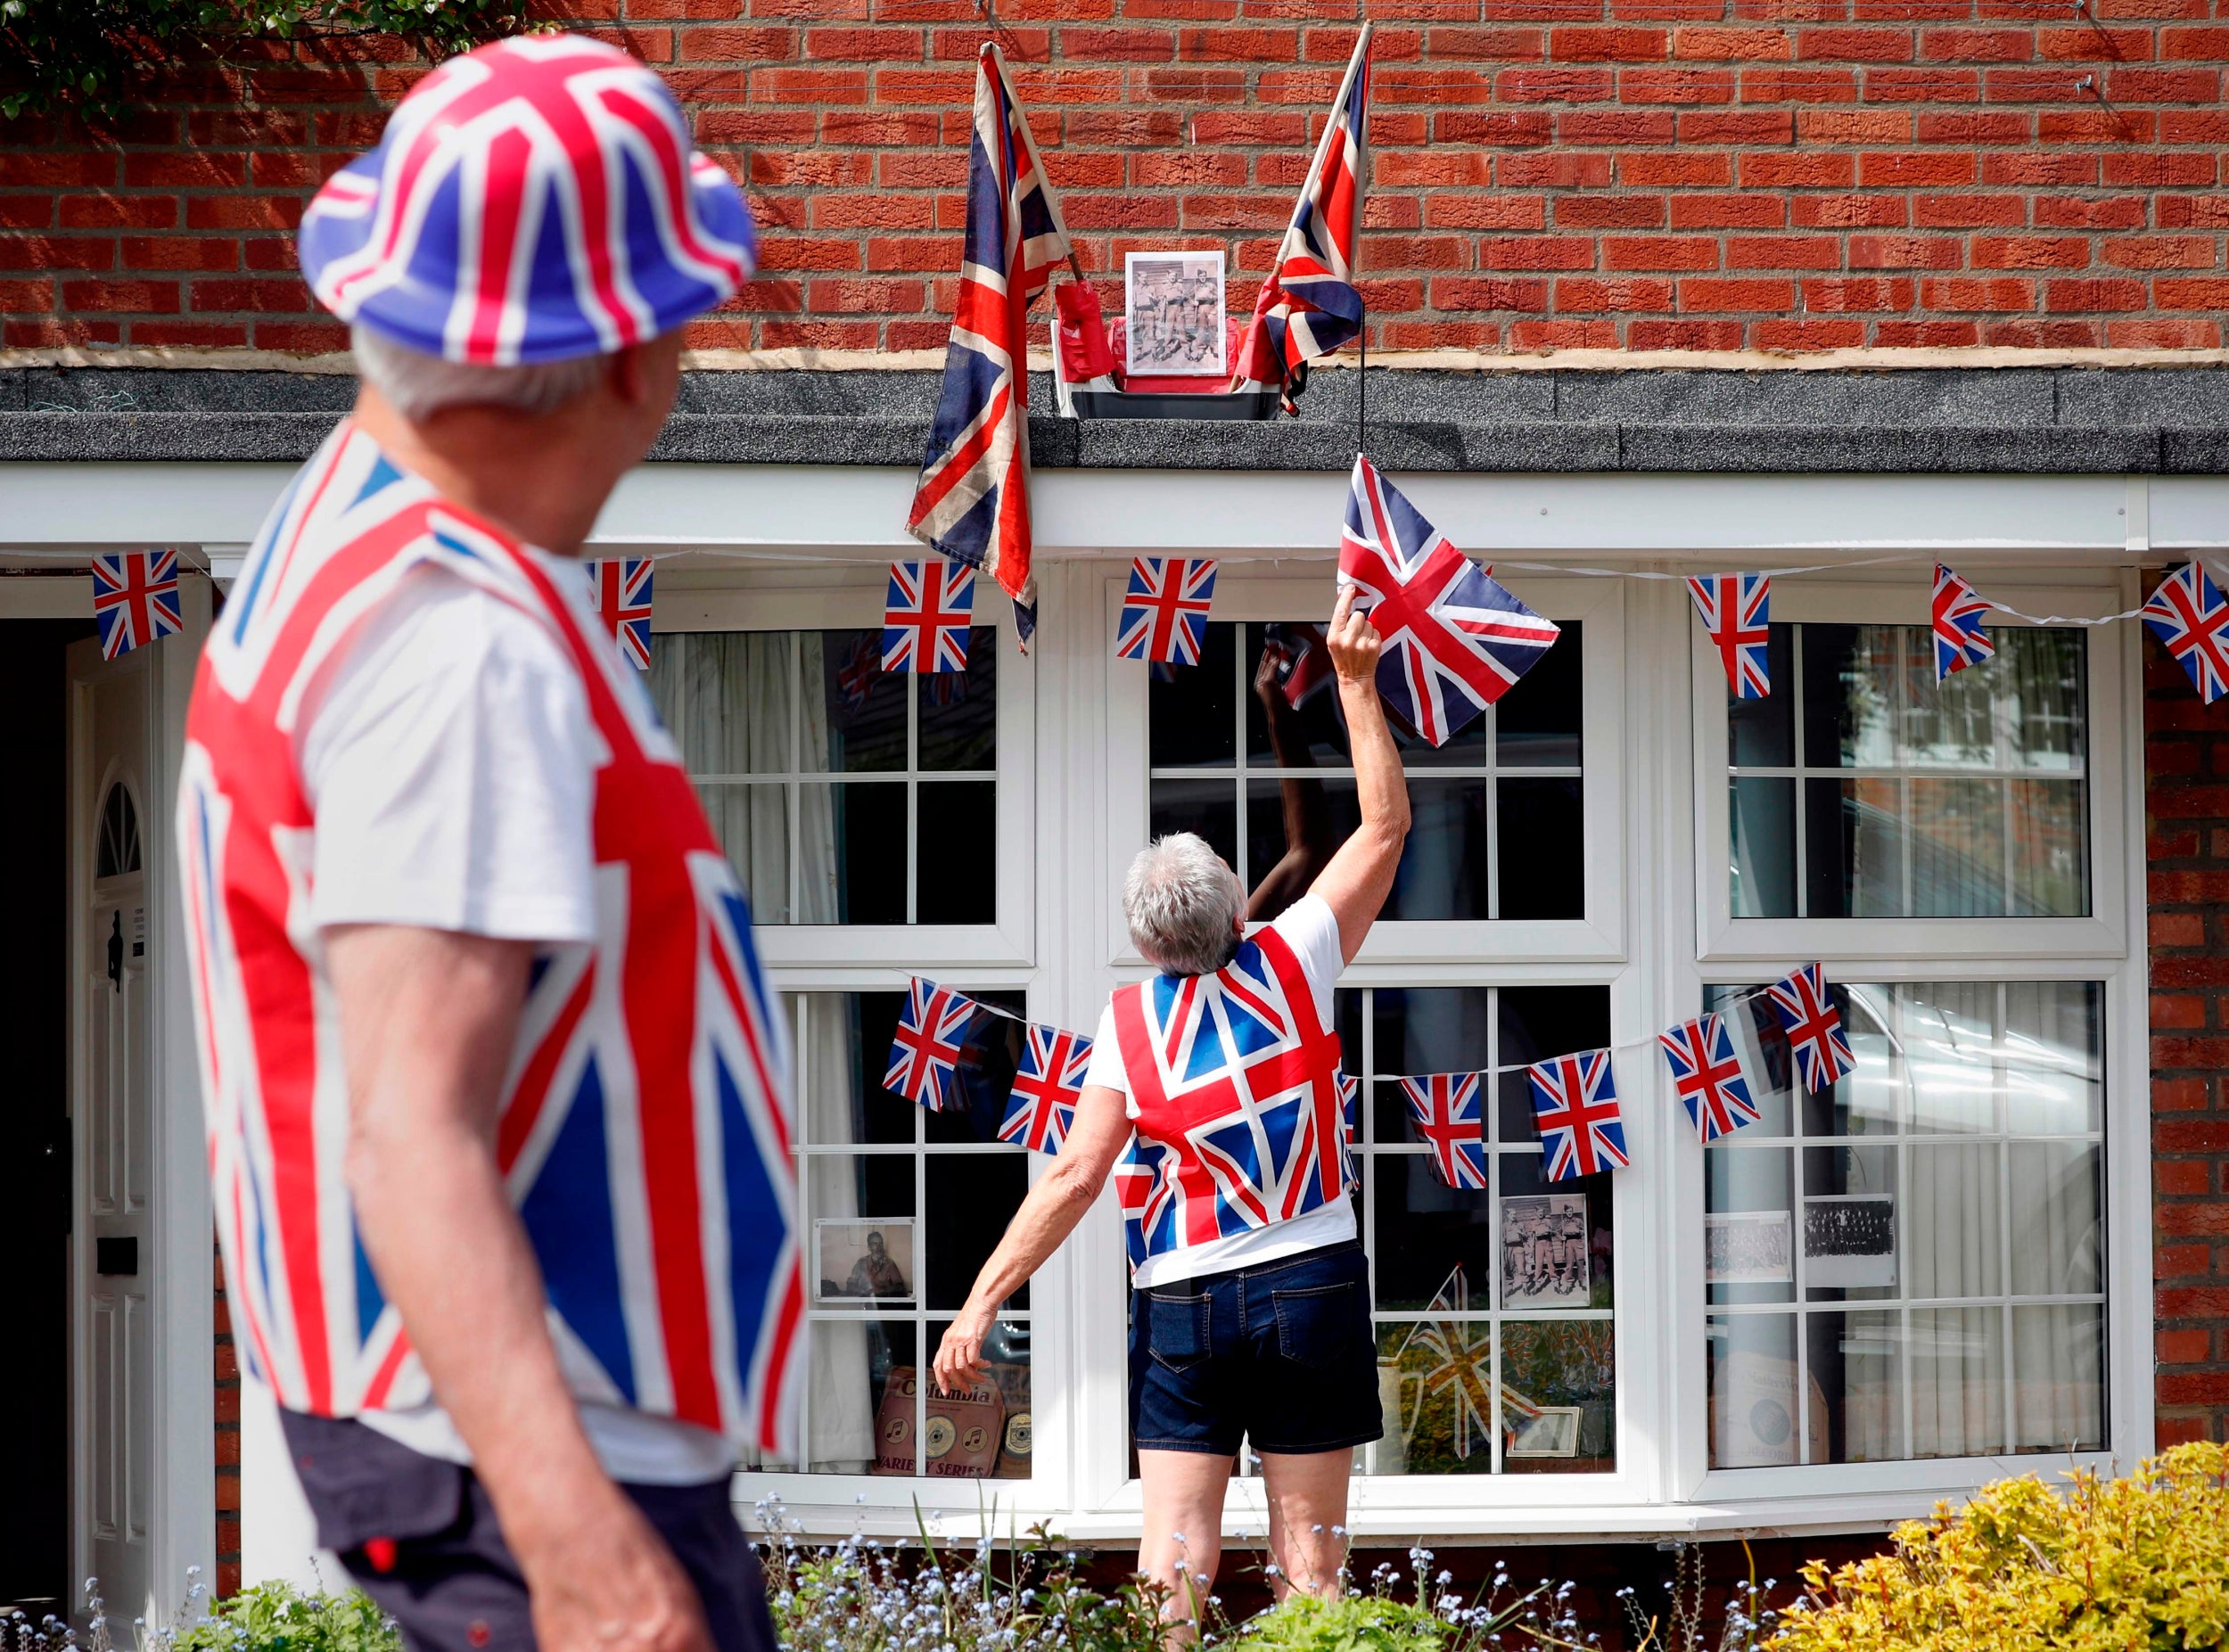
(1216, 1084)
(497, 1103)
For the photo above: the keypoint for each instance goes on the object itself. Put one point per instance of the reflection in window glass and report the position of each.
(832, 783)
(1496, 1308)
(1862, 788)
(1249, 750)
(1909, 1265)
(901, 1208)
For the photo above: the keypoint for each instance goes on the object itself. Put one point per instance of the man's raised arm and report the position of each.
(1360, 875)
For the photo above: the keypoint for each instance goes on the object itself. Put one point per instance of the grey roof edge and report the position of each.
(2042, 421)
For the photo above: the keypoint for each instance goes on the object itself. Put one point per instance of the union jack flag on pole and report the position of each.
(1574, 1104)
(926, 616)
(1454, 640)
(1309, 306)
(1708, 1076)
(1444, 1108)
(1958, 639)
(135, 599)
(622, 588)
(1814, 1027)
(972, 502)
(1048, 1083)
(1165, 611)
(932, 1039)
(1735, 610)
(2187, 614)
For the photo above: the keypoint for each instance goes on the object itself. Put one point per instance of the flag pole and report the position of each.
(1361, 383)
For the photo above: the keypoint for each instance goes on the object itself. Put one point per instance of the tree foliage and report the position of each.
(97, 56)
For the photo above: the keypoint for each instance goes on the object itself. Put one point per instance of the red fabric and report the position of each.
(1081, 334)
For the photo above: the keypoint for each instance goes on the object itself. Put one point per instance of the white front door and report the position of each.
(112, 727)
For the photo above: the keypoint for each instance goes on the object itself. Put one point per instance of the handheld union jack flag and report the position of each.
(1574, 1104)
(622, 588)
(1048, 1083)
(135, 599)
(1444, 1108)
(1165, 611)
(1958, 639)
(1813, 1026)
(1735, 609)
(926, 616)
(1455, 642)
(972, 502)
(931, 1041)
(1708, 1076)
(1309, 305)
(2187, 614)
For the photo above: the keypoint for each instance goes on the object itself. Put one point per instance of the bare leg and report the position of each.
(1307, 1498)
(1183, 1541)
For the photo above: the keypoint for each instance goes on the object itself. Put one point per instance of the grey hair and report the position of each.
(418, 386)
(1182, 905)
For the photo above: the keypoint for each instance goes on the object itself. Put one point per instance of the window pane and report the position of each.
(852, 854)
(1556, 1237)
(1537, 722)
(1763, 813)
(1957, 1381)
(959, 709)
(1849, 1239)
(1191, 719)
(983, 1433)
(970, 1198)
(843, 1056)
(1542, 849)
(1207, 807)
(1853, 844)
(2052, 1045)
(956, 877)
(1850, 679)
(725, 696)
(1753, 1402)
(1949, 1041)
(1427, 1232)
(2051, 855)
(1955, 1215)
(752, 823)
(1958, 860)
(862, 1403)
(1418, 1030)
(1443, 870)
(1749, 1234)
(2059, 1378)
(863, 708)
(2043, 675)
(1292, 713)
(1541, 1021)
(1857, 1367)
(2055, 1238)
(1761, 732)
(846, 1188)
(1325, 812)
(1435, 1389)
(1559, 1397)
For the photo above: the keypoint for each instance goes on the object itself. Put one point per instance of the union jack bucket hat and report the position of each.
(537, 200)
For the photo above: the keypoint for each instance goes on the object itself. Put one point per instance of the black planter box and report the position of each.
(1174, 405)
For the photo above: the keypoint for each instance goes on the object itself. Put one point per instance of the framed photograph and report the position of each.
(1544, 1251)
(1747, 1247)
(1173, 311)
(1554, 1433)
(1850, 1240)
(861, 1260)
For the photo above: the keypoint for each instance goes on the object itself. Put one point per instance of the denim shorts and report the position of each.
(1279, 1354)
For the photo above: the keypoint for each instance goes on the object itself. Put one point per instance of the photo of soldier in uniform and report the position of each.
(1544, 1252)
(1172, 309)
(857, 1259)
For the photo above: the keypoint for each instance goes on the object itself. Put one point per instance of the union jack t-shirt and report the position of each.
(1240, 1152)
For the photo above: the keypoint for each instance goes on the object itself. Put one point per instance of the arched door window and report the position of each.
(118, 851)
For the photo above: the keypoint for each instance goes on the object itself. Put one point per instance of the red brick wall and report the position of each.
(2186, 761)
(1702, 173)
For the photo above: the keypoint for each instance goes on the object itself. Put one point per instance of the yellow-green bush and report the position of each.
(2139, 1564)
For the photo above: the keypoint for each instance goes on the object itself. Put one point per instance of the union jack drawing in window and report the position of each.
(1956, 617)
(135, 599)
(1455, 642)
(1735, 609)
(1444, 1108)
(1814, 1027)
(931, 1041)
(2187, 614)
(926, 616)
(1047, 1082)
(1707, 1077)
(1165, 611)
(621, 590)
(1575, 1103)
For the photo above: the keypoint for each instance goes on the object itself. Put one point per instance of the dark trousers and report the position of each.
(420, 1537)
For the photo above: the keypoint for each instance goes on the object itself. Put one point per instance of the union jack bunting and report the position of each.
(1708, 1076)
(1444, 1108)
(1047, 1082)
(1165, 611)
(135, 599)
(622, 588)
(1454, 640)
(1575, 1103)
(537, 200)
(856, 677)
(1814, 1027)
(1309, 306)
(926, 616)
(931, 1040)
(1958, 639)
(1302, 659)
(972, 502)
(2187, 614)
(1735, 610)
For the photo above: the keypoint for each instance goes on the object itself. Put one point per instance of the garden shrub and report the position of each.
(2135, 1565)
